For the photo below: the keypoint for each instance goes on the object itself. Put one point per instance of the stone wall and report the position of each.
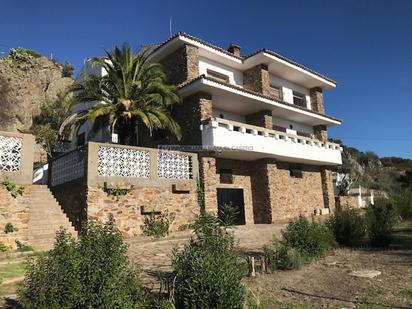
(181, 65)
(270, 192)
(290, 196)
(126, 209)
(14, 211)
(347, 201)
(72, 197)
(257, 79)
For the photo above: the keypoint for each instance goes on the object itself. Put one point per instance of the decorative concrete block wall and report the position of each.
(16, 157)
(158, 180)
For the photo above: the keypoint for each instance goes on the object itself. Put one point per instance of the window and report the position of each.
(296, 172)
(226, 175)
(299, 99)
(219, 76)
(275, 92)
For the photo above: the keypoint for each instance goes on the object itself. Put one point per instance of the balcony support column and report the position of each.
(316, 98)
(261, 119)
(257, 79)
(321, 133)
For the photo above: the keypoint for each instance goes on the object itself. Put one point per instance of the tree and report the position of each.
(46, 126)
(132, 91)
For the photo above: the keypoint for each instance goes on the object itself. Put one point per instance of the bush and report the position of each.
(92, 272)
(208, 271)
(279, 256)
(9, 228)
(157, 225)
(403, 203)
(311, 239)
(67, 70)
(3, 247)
(348, 226)
(14, 189)
(227, 214)
(21, 247)
(381, 218)
(19, 55)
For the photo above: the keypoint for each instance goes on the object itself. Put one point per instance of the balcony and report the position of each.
(236, 140)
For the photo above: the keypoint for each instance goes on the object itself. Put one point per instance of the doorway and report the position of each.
(232, 198)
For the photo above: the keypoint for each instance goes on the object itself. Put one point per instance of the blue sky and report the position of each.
(366, 46)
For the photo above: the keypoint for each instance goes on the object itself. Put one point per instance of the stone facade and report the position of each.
(261, 119)
(126, 210)
(316, 98)
(17, 212)
(270, 192)
(257, 79)
(181, 65)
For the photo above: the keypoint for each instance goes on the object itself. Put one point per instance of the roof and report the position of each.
(243, 58)
(187, 83)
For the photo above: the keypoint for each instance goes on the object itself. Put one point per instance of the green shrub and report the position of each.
(289, 258)
(92, 272)
(381, 218)
(279, 256)
(402, 201)
(67, 70)
(3, 247)
(227, 214)
(208, 271)
(9, 228)
(14, 189)
(348, 226)
(157, 225)
(311, 239)
(21, 247)
(19, 55)
(118, 191)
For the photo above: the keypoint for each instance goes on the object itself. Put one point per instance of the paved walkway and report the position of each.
(154, 255)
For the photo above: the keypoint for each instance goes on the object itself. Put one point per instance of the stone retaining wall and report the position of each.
(14, 211)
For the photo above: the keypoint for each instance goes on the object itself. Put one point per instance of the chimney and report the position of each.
(234, 49)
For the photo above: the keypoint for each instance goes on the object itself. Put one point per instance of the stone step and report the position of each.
(46, 218)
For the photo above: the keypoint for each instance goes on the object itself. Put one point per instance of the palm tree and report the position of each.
(132, 91)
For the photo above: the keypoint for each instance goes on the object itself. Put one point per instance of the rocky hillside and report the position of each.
(26, 84)
(372, 171)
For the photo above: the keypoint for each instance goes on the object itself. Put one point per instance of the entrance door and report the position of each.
(232, 198)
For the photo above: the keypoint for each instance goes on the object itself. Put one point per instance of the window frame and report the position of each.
(217, 75)
(300, 96)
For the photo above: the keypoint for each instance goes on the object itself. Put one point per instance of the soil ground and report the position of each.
(326, 283)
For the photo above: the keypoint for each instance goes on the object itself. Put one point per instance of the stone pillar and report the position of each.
(327, 189)
(262, 210)
(209, 180)
(260, 119)
(190, 114)
(181, 65)
(257, 79)
(316, 98)
(321, 133)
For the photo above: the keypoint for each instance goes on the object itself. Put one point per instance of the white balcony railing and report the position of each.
(242, 141)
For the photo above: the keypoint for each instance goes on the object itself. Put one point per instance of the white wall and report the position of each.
(235, 76)
(296, 125)
(288, 88)
(226, 115)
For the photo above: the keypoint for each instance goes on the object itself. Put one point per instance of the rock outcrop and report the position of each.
(24, 87)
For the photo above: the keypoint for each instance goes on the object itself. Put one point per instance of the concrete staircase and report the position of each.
(46, 217)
